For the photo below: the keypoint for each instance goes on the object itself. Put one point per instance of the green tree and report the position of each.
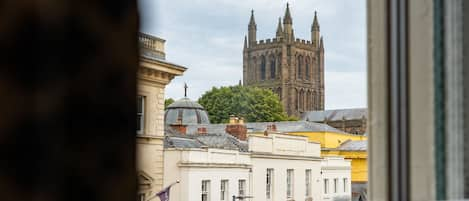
(254, 104)
(168, 102)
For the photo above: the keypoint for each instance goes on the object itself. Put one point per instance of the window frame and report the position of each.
(141, 124)
(242, 187)
(205, 185)
(326, 186)
(290, 183)
(224, 190)
(269, 183)
(308, 181)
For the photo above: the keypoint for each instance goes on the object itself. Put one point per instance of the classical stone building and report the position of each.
(292, 68)
(154, 73)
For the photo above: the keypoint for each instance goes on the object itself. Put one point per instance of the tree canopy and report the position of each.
(254, 104)
(168, 102)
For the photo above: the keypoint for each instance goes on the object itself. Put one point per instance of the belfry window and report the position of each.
(299, 76)
(272, 69)
(263, 69)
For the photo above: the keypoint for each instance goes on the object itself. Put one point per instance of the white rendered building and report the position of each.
(285, 167)
(210, 167)
(336, 179)
(271, 167)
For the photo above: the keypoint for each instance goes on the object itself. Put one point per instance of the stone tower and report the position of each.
(292, 68)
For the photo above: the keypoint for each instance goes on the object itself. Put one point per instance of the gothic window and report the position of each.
(253, 69)
(297, 94)
(314, 100)
(307, 69)
(302, 98)
(298, 69)
(279, 66)
(263, 68)
(272, 68)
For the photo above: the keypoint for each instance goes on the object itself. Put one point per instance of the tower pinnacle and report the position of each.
(252, 21)
(287, 18)
(252, 29)
(279, 28)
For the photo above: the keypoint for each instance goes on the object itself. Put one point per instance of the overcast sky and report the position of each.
(207, 37)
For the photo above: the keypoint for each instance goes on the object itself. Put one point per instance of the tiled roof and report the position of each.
(210, 140)
(282, 126)
(335, 115)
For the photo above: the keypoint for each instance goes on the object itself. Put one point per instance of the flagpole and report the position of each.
(176, 182)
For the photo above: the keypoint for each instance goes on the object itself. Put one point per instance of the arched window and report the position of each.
(272, 68)
(307, 69)
(263, 68)
(314, 100)
(298, 69)
(279, 66)
(297, 97)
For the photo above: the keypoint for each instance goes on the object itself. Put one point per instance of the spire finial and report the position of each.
(287, 18)
(252, 21)
(185, 90)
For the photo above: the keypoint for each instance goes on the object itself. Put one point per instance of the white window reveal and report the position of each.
(140, 114)
(336, 181)
(269, 183)
(326, 186)
(205, 190)
(242, 187)
(224, 190)
(345, 184)
(308, 183)
(290, 183)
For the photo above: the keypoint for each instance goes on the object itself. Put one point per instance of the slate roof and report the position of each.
(210, 140)
(185, 103)
(360, 145)
(335, 115)
(282, 126)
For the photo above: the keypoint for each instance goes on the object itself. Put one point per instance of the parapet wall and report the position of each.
(301, 43)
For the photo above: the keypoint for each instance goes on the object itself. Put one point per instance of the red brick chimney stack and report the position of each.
(181, 128)
(201, 130)
(237, 128)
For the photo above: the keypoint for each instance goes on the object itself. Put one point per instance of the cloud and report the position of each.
(207, 37)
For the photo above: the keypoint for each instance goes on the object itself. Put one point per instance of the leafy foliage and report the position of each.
(254, 104)
(168, 102)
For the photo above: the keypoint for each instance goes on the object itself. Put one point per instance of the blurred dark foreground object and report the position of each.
(67, 100)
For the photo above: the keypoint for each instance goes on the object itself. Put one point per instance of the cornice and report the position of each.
(286, 157)
(213, 165)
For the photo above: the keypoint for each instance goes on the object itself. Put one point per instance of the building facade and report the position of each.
(335, 175)
(153, 75)
(285, 167)
(292, 68)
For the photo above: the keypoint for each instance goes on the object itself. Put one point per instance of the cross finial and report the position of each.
(185, 90)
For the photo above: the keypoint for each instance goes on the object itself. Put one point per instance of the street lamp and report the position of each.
(241, 197)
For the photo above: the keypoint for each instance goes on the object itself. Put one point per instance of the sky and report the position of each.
(206, 36)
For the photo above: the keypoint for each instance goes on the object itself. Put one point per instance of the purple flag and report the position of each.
(164, 194)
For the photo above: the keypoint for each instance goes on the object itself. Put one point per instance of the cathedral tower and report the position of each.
(292, 68)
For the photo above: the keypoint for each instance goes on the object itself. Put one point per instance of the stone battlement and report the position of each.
(274, 41)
